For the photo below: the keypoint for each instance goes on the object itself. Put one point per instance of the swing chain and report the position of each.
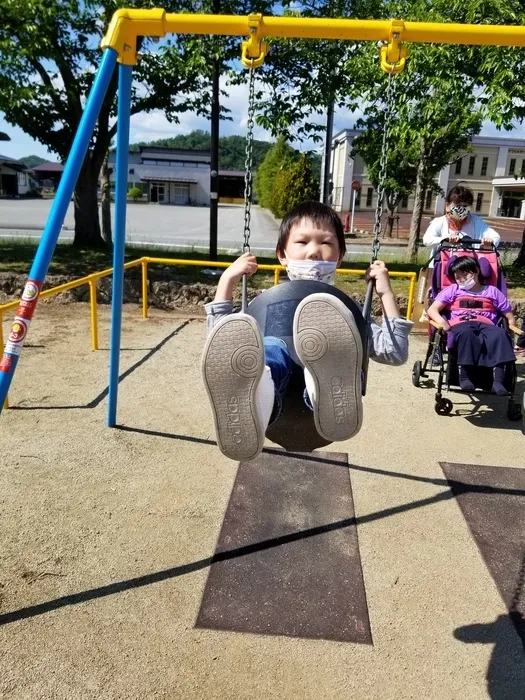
(248, 175)
(389, 108)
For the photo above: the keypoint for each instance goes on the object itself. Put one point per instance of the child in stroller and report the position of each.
(469, 343)
(474, 309)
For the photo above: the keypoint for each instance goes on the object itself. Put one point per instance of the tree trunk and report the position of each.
(417, 213)
(390, 218)
(105, 203)
(87, 224)
(520, 260)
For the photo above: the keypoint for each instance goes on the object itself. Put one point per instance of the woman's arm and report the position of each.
(434, 233)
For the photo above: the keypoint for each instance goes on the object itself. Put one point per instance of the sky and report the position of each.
(148, 127)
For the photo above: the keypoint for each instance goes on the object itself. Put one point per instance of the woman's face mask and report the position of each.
(459, 212)
(318, 270)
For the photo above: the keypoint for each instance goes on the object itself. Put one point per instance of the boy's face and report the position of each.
(308, 241)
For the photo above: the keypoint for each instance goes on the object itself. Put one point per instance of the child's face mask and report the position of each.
(458, 212)
(318, 270)
(468, 283)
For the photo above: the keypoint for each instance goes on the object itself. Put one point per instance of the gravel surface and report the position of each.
(106, 534)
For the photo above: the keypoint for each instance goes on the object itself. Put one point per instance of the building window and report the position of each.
(484, 166)
(358, 198)
(471, 164)
(458, 166)
(369, 195)
(149, 161)
(428, 200)
(512, 166)
(479, 201)
(404, 201)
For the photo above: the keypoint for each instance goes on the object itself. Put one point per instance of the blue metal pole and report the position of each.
(46, 247)
(121, 183)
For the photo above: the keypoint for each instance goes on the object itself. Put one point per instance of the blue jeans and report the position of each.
(278, 359)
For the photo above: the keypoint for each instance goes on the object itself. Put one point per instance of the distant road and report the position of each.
(188, 227)
(164, 225)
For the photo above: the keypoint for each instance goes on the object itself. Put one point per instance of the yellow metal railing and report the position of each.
(92, 280)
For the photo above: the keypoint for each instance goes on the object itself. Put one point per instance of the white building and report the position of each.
(494, 170)
(169, 175)
(14, 177)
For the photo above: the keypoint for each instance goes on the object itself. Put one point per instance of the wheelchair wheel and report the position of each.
(416, 373)
(443, 407)
(514, 411)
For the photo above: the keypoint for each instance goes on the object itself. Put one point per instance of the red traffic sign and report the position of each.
(356, 185)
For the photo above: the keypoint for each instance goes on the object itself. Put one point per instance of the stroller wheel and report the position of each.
(416, 373)
(443, 407)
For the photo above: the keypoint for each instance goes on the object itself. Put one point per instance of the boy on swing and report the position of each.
(246, 375)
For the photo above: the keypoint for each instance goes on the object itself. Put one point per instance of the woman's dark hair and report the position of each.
(460, 195)
(464, 264)
(319, 214)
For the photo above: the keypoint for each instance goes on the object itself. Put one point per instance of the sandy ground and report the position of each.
(124, 521)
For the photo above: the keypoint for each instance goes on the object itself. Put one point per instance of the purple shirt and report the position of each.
(500, 301)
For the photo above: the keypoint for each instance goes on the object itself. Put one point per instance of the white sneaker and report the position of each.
(239, 386)
(328, 343)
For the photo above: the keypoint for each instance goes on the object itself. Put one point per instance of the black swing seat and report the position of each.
(274, 311)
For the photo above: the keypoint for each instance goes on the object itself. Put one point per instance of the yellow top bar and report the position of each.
(126, 25)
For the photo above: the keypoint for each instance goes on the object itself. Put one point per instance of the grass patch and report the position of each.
(16, 256)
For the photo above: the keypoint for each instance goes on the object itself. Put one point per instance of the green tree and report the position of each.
(301, 78)
(294, 184)
(135, 193)
(499, 71)
(277, 158)
(48, 55)
(401, 170)
(435, 116)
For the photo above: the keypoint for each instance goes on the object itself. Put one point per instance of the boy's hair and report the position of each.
(464, 264)
(460, 195)
(319, 214)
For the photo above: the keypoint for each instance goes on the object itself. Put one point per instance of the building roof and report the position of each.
(159, 150)
(160, 174)
(48, 168)
(7, 159)
(12, 163)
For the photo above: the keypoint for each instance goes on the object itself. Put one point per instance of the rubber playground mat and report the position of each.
(287, 561)
(492, 500)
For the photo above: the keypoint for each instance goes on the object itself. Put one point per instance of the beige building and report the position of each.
(494, 170)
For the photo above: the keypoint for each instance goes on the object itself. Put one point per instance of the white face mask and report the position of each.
(459, 212)
(467, 284)
(318, 270)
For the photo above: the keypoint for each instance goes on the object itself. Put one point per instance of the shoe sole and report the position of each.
(328, 343)
(232, 366)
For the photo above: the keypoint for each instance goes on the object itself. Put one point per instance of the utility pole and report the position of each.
(325, 175)
(214, 160)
